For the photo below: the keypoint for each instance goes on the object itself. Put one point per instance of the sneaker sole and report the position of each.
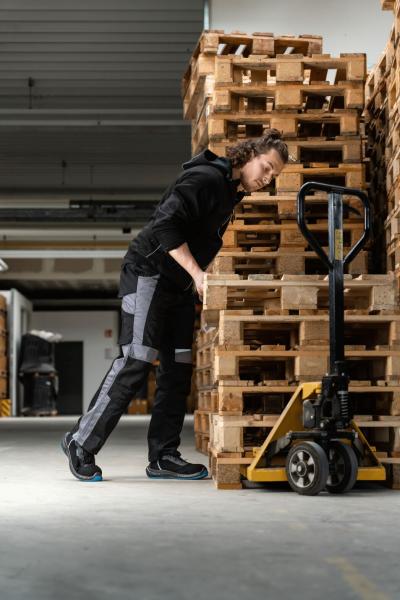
(94, 478)
(155, 474)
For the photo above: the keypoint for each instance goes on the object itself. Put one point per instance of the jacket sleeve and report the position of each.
(191, 198)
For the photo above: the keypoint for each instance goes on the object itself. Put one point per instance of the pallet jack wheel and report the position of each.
(343, 468)
(307, 468)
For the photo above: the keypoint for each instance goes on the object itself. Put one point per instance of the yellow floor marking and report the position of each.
(360, 584)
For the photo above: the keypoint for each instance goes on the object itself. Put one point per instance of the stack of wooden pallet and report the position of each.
(240, 95)
(264, 323)
(264, 237)
(5, 404)
(378, 124)
(198, 80)
(383, 114)
(263, 335)
(237, 86)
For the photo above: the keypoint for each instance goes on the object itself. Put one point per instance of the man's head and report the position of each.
(258, 161)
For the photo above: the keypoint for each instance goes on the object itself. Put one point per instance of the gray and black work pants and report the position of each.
(156, 322)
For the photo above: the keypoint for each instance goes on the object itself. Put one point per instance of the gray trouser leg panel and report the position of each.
(144, 305)
(89, 420)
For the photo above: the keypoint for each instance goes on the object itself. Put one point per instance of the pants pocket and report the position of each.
(128, 303)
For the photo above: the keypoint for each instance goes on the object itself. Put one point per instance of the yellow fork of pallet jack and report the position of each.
(291, 419)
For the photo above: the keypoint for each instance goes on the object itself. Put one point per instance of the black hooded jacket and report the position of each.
(196, 209)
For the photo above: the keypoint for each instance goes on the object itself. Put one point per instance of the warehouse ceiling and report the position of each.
(90, 94)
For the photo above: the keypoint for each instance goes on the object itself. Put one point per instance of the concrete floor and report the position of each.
(133, 538)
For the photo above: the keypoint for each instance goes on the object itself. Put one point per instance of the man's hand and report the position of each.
(199, 284)
(185, 258)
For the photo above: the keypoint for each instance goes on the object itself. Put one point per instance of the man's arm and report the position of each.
(188, 201)
(185, 258)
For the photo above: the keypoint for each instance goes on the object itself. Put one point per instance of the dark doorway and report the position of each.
(69, 364)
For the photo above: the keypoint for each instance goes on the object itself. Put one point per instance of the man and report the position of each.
(164, 265)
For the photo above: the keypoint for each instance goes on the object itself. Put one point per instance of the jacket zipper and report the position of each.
(147, 255)
(230, 217)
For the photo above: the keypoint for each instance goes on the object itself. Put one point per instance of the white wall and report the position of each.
(88, 327)
(346, 25)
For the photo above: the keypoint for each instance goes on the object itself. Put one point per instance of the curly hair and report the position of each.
(241, 153)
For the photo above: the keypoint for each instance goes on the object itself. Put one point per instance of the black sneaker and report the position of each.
(81, 462)
(172, 466)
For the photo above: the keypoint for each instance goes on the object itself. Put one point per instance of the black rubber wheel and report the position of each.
(343, 468)
(307, 468)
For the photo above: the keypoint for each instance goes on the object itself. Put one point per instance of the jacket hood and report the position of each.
(207, 157)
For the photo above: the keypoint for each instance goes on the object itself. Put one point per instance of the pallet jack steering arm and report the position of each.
(335, 190)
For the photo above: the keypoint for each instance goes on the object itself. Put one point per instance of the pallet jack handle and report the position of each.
(336, 190)
(335, 262)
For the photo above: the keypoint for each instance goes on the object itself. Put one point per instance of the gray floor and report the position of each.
(130, 537)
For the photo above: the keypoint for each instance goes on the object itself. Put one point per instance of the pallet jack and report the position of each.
(315, 444)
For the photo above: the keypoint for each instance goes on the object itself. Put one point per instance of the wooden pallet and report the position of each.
(227, 433)
(236, 261)
(321, 150)
(230, 128)
(286, 234)
(271, 396)
(267, 293)
(257, 84)
(238, 328)
(232, 440)
(290, 68)
(246, 97)
(305, 364)
(264, 205)
(225, 468)
(263, 43)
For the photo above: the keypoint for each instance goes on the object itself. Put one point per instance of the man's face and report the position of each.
(260, 170)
